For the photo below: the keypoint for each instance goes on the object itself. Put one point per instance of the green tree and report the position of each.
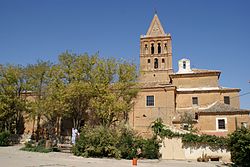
(115, 88)
(12, 105)
(77, 93)
(127, 86)
(54, 104)
(76, 97)
(38, 80)
(97, 90)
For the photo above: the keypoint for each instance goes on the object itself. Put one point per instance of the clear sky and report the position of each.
(213, 34)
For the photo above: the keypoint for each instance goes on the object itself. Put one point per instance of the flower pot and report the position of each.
(134, 161)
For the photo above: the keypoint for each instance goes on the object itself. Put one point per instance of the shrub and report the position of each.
(5, 138)
(97, 142)
(158, 127)
(150, 149)
(141, 148)
(161, 130)
(33, 147)
(239, 144)
(127, 144)
(119, 142)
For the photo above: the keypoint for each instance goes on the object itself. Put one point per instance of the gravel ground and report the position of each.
(13, 157)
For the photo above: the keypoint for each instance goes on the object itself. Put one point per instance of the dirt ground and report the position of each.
(13, 157)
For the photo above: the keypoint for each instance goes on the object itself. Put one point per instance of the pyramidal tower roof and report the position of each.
(155, 28)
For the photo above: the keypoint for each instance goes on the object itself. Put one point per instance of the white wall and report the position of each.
(172, 149)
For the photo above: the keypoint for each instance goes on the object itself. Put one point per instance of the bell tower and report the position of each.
(155, 54)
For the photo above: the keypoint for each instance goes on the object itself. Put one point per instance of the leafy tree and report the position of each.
(37, 80)
(77, 96)
(115, 88)
(77, 92)
(12, 105)
(127, 86)
(97, 90)
(54, 104)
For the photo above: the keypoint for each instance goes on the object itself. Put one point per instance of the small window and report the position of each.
(150, 101)
(152, 49)
(227, 100)
(184, 65)
(221, 124)
(148, 60)
(156, 63)
(163, 60)
(195, 100)
(159, 48)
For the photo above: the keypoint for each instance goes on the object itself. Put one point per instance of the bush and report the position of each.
(33, 147)
(127, 143)
(5, 138)
(97, 142)
(115, 142)
(150, 148)
(239, 144)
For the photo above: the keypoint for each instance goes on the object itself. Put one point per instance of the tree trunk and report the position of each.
(58, 126)
(38, 128)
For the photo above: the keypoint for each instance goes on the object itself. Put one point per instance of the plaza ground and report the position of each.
(13, 157)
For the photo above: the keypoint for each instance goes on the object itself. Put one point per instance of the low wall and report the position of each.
(173, 149)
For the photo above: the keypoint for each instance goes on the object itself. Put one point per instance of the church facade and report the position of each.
(188, 94)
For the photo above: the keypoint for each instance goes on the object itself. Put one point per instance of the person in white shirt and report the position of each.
(74, 133)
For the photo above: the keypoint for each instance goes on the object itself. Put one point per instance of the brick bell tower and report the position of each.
(155, 54)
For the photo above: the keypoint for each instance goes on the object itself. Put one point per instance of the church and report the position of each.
(188, 94)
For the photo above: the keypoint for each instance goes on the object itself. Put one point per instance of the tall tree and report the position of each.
(115, 88)
(76, 70)
(12, 105)
(127, 86)
(38, 79)
(54, 104)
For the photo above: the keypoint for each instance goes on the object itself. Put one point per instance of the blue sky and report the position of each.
(213, 34)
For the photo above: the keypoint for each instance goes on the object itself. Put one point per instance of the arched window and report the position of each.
(184, 65)
(148, 60)
(156, 63)
(152, 49)
(163, 60)
(165, 47)
(159, 48)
